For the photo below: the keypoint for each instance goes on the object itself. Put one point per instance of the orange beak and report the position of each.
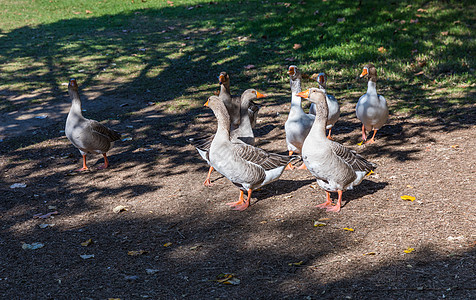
(221, 78)
(259, 95)
(291, 71)
(206, 103)
(364, 72)
(304, 94)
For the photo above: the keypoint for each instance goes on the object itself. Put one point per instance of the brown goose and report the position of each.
(88, 136)
(335, 167)
(246, 166)
(243, 132)
(233, 103)
(372, 109)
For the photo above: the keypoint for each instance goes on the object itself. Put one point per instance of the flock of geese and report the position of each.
(231, 150)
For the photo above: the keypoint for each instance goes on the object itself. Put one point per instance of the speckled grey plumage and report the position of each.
(334, 166)
(87, 135)
(246, 166)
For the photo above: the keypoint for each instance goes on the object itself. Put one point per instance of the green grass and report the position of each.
(157, 52)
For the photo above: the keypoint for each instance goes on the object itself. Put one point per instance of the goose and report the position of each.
(233, 103)
(335, 167)
(299, 123)
(371, 109)
(87, 135)
(332, 104)
(246, 166)
(242, 133)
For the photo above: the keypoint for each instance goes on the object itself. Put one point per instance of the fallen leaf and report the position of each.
(419, 73)
(51, 207)
(87, 243)
(152, 271)
(324, 219)
(370, 253)
(228, 278)
(195, 247)
(319, 224)
(88, 12)
(76, 12)
(348, 229)
(297, 46)
(249, 67)
(370, 173)
(382, 50)
(421, 10)
(32, 246)
(360, 144)
(290, 59)
(136, 252)
(263, 222)
(86, 256)
(409, 186)
(296, 263)
(171, 3)
(167, 244)
(408, 198)
(43, 226)
(414, 21)
(454, 146)
(45, 216)
(409, 250)
(18, 185)
(119, 209)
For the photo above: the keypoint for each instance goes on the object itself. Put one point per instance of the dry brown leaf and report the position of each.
(419, 73)
(382, 50)
(88, 12)
(297, 46)
(171, 3)
(87, 243)
(444, 33)
(136, 252)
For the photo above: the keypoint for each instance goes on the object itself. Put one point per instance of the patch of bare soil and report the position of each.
(185, 236)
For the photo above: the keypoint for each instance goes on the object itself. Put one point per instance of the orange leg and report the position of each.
(290, 166)
(364, 137)
(302, 167)
(207, 181)
(84, 168)
(245, 204)
(106, 163)
(371, 141)
(336, 208)
(329, 135)
(328, 202)
(241, 201)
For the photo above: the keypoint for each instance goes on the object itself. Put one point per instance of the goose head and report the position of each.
(294, 72)
(224, 79)
(318, 97)
(322, 80)
(249, 95)
(371, 71)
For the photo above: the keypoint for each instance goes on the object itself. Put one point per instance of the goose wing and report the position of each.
(356, 161)
(260, 157)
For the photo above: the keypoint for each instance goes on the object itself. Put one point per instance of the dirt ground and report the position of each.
(176, 238)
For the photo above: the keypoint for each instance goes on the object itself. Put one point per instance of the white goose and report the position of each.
(299, 123)
(88, 136)
(241, 133)
(371, 109)
(332, 104)
(246, 166)
(335, 167)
